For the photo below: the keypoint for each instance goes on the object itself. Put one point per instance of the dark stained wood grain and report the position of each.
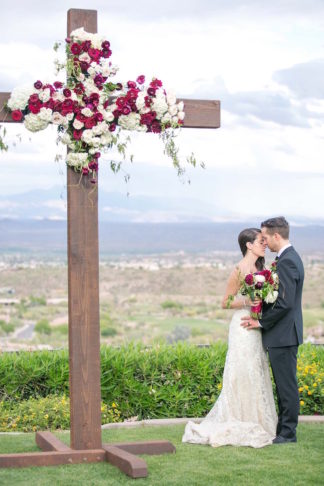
(83, 288)
(147, 447)
(133, 466)
(201, 113)
(48, 442)
(28, 459)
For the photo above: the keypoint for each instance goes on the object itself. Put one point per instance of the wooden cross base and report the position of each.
(122, 455)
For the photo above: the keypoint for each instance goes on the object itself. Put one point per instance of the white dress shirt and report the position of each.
(283, 249)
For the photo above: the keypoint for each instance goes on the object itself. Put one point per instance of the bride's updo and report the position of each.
(248, 236)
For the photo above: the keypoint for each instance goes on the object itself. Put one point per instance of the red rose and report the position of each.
(97, 155)
(75, 49)
(85, 171)
(126, 110)
(249, 279)
(156, 83)
(35, 108)
(58, 84)
(156, 127)
(84, 66)
(98, 117)
(141, 79)
(33, 98)
(131, 84)
(38, 85)
(89, 123)
(16, 115)
(67, 92)
(112, 127)
(95, 54)
(77, 134)
(85, 46)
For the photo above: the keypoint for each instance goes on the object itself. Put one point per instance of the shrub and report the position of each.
(51, 412)
(43, 327)
(169, 304)
(108, 331)
(34, 301)
(7, 327)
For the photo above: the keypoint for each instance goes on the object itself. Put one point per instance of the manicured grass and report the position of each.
(192, 465)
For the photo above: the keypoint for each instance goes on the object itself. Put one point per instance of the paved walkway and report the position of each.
(184, 420)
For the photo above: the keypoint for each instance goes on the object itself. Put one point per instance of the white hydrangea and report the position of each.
(160, 106)
(181, 115)
(173, 110)
(171, 98)
(106, 138)
(166, 118)
(86, 112)
(19, 97)
(66, 139)
(130, 122)
(140, 101)
(77, 159)
(180, 106)
(271, 297)
(34, 123)
(45, 114)
(87, 136)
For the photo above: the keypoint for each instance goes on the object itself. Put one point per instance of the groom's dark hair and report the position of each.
(277, 225)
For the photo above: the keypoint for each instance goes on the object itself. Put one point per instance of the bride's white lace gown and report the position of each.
(244, 413)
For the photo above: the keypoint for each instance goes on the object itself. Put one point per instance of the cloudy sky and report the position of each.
(263, 60)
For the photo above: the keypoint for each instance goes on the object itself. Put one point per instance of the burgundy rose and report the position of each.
(98, 79)
(131, 84)
(266, 274)
(85, 46)
(148, 101)
(151, 91)
(93, 181)
(112, 127)
(156, 127)
(84, 65)
(35, 108)
(67, 104)
(97, 155)
(38, 84)
(75, 49)
(156, 83)
(106, 53)
(89, 123)
(259, 285)
(58, 84)
(68, 40)
(79, 89)
(126, 110)
(77, 134)
(249, 279)
(81, 117)
(117, 113)
(93, 165)
(16, 115)
(94, 54)
(119, 86)
(33, 98)
(50, 104)
(120, 102)
(67, 92)
(85, 171)
(98, 117)
(141, 79)
(105, 44)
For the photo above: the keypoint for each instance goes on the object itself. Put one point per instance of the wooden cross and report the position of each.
(84, 324)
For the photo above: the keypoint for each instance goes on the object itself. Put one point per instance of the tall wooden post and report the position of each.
(83, 287)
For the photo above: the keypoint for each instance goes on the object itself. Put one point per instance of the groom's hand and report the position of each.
(249, 323)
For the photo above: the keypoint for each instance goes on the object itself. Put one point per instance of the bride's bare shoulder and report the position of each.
(236, 273)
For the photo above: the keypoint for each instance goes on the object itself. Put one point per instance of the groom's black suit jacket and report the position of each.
(282, 321)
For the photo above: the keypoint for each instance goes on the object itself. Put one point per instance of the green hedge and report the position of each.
(158, 382)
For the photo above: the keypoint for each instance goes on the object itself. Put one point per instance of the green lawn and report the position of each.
(192, 465)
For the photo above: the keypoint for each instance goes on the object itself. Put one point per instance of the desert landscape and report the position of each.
(148, 298)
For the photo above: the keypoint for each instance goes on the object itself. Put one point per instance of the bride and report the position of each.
(244, 413)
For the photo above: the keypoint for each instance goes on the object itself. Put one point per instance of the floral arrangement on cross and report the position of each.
(90, 111)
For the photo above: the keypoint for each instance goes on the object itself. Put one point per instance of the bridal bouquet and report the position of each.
(261, 285)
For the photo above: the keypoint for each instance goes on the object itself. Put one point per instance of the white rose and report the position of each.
(69, 116)
(271, 297)
(181, 115)
(106, 138)
(166, 118)
(108, 116)
(66, 139)
(80, 34)
(180, 106)
(86, 112)
(78, 124)
(140, 101)
(259, 278)
(45, 95)
(85, 57)
(57, 118)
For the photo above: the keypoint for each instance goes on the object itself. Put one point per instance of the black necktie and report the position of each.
(277, 258)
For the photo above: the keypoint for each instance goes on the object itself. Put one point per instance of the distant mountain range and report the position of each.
(47, 236)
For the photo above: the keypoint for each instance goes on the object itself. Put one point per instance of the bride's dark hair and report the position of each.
(248, 236)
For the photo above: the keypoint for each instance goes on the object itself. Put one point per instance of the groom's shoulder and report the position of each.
(291, 256)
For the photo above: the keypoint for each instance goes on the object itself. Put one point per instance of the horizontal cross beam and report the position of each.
(199, 113)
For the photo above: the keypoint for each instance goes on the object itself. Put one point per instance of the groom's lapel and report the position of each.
(290, 248)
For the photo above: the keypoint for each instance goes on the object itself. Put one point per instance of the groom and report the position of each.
(282, 326)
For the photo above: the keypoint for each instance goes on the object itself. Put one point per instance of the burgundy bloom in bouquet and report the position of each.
(263, 286)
